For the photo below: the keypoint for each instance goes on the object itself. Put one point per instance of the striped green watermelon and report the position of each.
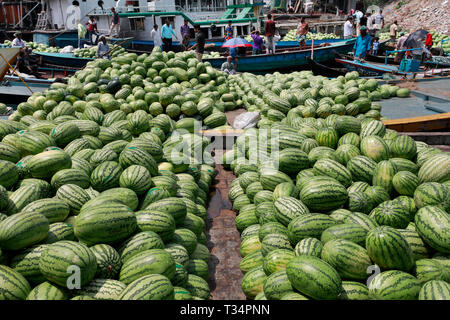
(26, 262)
(253, 282)
(149, 287)
(314, 277)
(45, 164)
(287, 208)
(435, 290)
(59, 231)
(433, 225)
(435, 169)
(22, 230)
(153, 261)
(55, 210)
(62, 259)
(108, 261)
(388, 249)
(103, 289)
(394, 285)
(391, 213)
(348, 258)
(345, 231)
(323, 195)
(198, 287)
(352, 290)
(161, 223)
(276, 285)
(308, 226)
(47, 291)
(309, 246)
(13, 286)
(140, 242)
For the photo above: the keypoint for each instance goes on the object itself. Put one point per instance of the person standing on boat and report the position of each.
(23, 66)
(370, 29)
(92, 30)
(103, 48)
(166, 35)
(229, 31)
(378, 22)
(393, 31)
(401, 46)
(257, 42)
(348, 28)
(362, 44)
(156, 37)
(18, 42)
(269, 30)
(375, 46)
(185, 35)
(228, 66)
(302, 30)
(358, 16)
(115, 23)
(199, 45)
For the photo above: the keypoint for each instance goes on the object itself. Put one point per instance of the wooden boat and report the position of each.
(63, 59)
(14, 91)
(145, 44)
(288, 59)
(381, 59)
(320, 69)
(375, 69)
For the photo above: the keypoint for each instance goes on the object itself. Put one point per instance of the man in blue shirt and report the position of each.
(166, 35)
(362, 44)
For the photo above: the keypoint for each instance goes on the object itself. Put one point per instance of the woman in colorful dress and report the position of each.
(229, 31)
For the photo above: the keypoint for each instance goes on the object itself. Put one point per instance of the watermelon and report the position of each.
(394, 285)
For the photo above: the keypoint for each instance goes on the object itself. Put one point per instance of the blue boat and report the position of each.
(370, 69)
(288, 59)
(218, 44)
(63, 59)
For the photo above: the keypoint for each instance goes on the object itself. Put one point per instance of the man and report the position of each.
(269, 30)
(199, 45)
(228, 31)
(358, 16)
(166, 35)
(228, 66)
(393, 31)
(348, 28)
(291, 9)
(103, 48)
(115, 23)
(370, 24)
(185, 35)
(378, 22)
(23, 65)
(401, 46)
(156, 37)
(18, 42)
(302, 30)
(362, 44)
(92, 29)
(257, 42)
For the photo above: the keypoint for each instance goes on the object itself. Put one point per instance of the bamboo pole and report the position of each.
(10, 66)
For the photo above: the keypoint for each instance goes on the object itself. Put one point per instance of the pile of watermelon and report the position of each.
(104, 186)
(330, 203)
(92, 51)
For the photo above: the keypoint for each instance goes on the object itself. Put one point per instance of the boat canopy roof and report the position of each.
(179, 13)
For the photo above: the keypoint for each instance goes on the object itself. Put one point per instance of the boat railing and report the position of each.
(387, 53)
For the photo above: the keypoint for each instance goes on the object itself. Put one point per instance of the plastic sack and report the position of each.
(246, 120)
(81, 31)
(67, 49)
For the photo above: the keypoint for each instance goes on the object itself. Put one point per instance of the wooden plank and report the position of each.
(420, 124)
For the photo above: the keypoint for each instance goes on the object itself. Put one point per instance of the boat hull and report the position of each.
(285, 60)
(63, 59)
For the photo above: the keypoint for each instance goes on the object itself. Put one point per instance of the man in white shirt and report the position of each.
(358, 16)
(156, 36)
(348, 28)
(18, 42)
